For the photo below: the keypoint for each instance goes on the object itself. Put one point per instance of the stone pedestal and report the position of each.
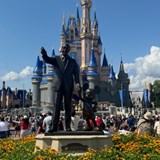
(73, 143)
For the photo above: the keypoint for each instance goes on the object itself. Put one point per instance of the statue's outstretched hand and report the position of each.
(43, 52)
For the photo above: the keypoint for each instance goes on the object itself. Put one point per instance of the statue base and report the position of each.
(77, 142)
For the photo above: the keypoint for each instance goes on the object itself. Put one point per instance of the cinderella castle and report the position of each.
(82, 34)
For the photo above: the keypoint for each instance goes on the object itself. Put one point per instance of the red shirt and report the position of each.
(24, 125)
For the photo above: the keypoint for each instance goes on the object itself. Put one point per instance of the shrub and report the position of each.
(125, 147)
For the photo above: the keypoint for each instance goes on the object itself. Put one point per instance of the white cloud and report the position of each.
(10, 76)
(26, 72)
(13, 76)
(144, 69)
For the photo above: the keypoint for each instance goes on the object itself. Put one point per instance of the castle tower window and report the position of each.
(72, 34)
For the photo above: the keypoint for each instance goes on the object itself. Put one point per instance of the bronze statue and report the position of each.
(89, 108)
(67, 71)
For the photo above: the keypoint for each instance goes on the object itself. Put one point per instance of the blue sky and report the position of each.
(129, 29)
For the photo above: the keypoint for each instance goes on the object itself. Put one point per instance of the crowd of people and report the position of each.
(24, 125)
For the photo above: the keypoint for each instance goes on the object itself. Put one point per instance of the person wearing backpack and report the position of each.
(146, 124)
(47, 122)
(157, 127)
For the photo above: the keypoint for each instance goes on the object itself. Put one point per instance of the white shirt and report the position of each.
(46, 123)
(74, 123)
(157, 127)
(4, 126)
(124, 132)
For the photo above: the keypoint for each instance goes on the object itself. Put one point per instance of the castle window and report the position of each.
(72, 34)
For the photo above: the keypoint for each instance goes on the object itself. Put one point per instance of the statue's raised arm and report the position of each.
(43, 52)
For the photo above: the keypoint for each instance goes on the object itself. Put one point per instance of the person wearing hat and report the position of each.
(146, 124)
(67, 72)
(157, 127)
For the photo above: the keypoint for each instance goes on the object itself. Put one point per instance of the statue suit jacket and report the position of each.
(64, 74)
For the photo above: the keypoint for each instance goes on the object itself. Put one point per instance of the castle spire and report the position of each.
(3, 86)
(111, 74)
(121, 68)
(92, 67)
(78, 23)
(78, 13)
(104, 62)
(92, 62)
(99, 42)
(38, 67)
(63, 32)
(3, 95)
(53, 52)
(95, 22)
(63, 26)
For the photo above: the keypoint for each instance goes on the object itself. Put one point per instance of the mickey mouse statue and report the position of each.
(88, 109)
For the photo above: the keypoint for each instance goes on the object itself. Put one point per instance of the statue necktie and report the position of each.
(64, 61)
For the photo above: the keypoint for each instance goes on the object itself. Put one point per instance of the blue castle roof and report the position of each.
(99, 41)
(95, 22)
(9, 91)
(78, 13)
(92, 62)
(91, 73)
(104, 62)
(71, 22)
(38, 67)
(53, 52)
(111, 74)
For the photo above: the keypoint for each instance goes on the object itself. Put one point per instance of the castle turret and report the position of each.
(96, 42)
(112, 78)
(86, 35)
(99, 44)
(78, 24)
(3, 95)
(104, 61)
(9, 97)
(92, 75)
(123, 77)
(104, 74)
(36, 80)
(112, 73)
(63, 32)
(123, 81)
(95, 27)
